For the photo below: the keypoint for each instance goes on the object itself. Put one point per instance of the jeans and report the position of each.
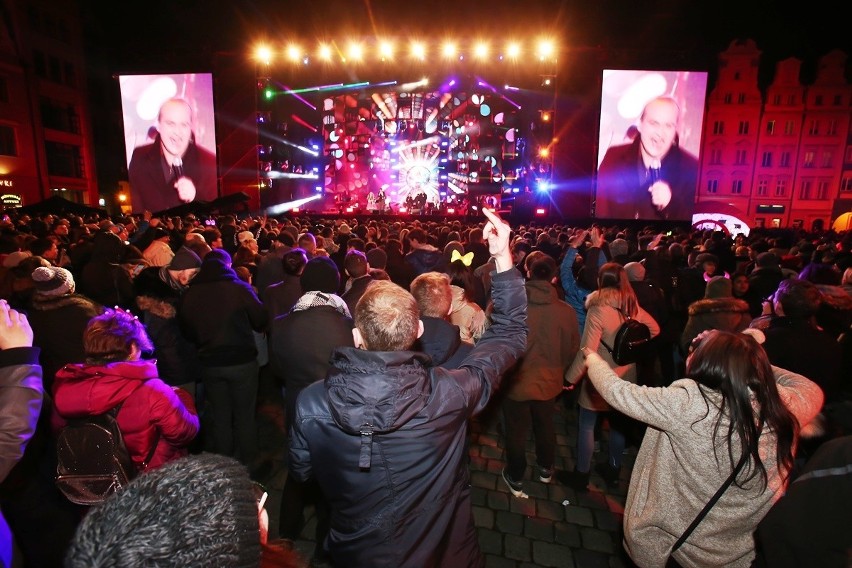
(519, 415)
(231, 404)
(586, 440)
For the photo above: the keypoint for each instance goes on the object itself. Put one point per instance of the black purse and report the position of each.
(671, 562)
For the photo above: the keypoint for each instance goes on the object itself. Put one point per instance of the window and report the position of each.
(846, 183)
(808, 161)
(718, 127)
(64, 160)
(805, 190)
(8, 143)
(716, 156)
(712, 185)
(822, 190)
(818, 100)
(784, 162)
(813, 129)
(70, 73)
(789, 128)
(4, 90)
(39, 63)
(727, 98)
(791, 100)
(741, 157)
(54, 69)
(766, 161)
(762, 187)
(737, 186)
(838, 100)
(60, 116)
(743, 127)
(770, 127)
(741, 98)
(826, 159)
(848, 157)
(776, 100)
(832, 128)
(781, 188)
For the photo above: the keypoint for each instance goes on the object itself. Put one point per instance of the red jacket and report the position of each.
(150, 406)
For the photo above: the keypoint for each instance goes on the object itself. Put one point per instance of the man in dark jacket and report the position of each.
(423, 257)
(218, 313)
(384, 435)
(441, 340)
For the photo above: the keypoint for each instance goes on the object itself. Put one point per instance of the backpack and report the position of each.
(631, 341)
(92, 459)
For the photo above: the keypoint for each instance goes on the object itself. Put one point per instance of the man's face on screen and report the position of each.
(658, 128)
(175, 127)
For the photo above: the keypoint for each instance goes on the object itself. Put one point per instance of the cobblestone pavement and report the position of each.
(554, 527)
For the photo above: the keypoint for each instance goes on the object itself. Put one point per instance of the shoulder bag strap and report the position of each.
(604, 343)
(710, 504)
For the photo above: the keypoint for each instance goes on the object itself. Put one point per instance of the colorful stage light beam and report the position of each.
(483, 83)
(326, 88)
(289, 91)
(290, 205)
(296, 118)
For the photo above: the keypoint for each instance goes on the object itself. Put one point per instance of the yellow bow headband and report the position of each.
(466, 259)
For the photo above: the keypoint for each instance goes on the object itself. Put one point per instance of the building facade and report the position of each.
(782, 158)
(45, 128)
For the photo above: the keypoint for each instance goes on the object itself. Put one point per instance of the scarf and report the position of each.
(316, 299)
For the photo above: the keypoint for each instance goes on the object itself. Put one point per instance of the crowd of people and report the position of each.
(386, 337)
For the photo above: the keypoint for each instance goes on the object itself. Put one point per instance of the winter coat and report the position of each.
(58, 324)
(219, 313)
(552, 344)
(602, 323)
(385, 437)
(152, 412)
(726, 314)
(467, 315)
(677, 472)
(20, 405)
(300, 347)
(425, 260)
(177, 358)
(442, 342)
(279, 298)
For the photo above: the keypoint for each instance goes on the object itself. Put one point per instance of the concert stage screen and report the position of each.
(650, 143)
(391, 147)
(170, 139)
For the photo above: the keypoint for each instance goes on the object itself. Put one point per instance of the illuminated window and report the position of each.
(781, 188)
(808, 161)
(762, 187)
(770, 127)
(826, 159)
(846, 183)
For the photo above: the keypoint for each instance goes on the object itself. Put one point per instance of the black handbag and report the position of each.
(671, 562)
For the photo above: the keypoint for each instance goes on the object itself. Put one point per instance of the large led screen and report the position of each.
(170, 139)
(650, 142)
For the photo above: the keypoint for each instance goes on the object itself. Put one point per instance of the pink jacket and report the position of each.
(152, 411)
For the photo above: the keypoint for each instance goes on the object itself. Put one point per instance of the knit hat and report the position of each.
(53, 281)
(244, 236)
(13, 259)
(184, 259)
(377, 258)
(718, 287)
(635, 271)
(200, 510)
(320, 275)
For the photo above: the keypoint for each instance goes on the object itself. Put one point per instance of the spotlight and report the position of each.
(449, 50)
(325, 52)
(264, 54)
(418, 50)
(513, 50)
(481, 50)
(544, 153)
(293, 53)
(545, 116)
(356, 51)
(385, 50)
(545, 49)
(541, 211)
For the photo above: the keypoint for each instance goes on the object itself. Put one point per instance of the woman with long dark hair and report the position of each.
(606, 309)
(732, 403)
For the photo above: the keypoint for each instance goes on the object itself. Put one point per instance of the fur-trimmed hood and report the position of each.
(715, 305)
(604, 297)
(46, 303)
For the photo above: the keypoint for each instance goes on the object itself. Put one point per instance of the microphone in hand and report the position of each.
(177, 169)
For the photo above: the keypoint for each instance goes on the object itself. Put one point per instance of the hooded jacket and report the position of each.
(218, 313)
(726, 314)
(442, 341)
(552, 344)
(384, 435)
(602, 323)
(151, 413)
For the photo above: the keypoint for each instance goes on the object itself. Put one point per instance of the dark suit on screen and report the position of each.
(623, 182)
(152, 182)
